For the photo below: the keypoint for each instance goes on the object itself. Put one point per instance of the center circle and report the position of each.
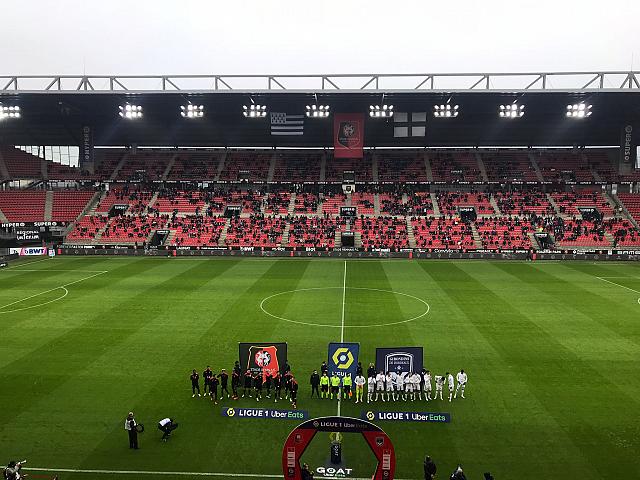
(328, 304)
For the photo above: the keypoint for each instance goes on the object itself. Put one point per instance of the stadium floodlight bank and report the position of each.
(377, 111)
(446, 111)
(9, 111)
(317, 111)
(130, 112)
(192, 111)
(254, 111)
(512, 110)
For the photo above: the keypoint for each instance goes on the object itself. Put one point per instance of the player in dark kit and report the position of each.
(235, 383)
(195, 383)
(324, 368)
(267, 384)
(294, 393)
(213, 386)
(257, 385)
(206, 377)
(287, 384)
(224, 380)
(248, 381)
(277, 387)
(236, 368)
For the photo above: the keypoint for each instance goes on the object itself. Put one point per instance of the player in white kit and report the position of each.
(439, 384)
(408, 386)
(380, 385)
(389, 385)
(371, 387)
(462, 382)
(427, 385)
(416, 385)
(452, 385)
(400, 386)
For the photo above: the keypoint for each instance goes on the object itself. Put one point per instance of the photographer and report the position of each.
(429, 468)
(12, 471)
(166, 426)
(458, 474)
(130, 425)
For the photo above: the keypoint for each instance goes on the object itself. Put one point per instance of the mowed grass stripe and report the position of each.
(571, 394)
(496, 388)
(163, 388)
(73, 352)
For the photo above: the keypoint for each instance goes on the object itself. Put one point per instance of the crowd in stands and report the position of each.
(302, 216)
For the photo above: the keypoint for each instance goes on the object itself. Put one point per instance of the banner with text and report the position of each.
(264, 413)
(399, 359)
(86, 147)
(265, 358)
(629, 145)
(348, 135)
(343, 359)
(428, 417)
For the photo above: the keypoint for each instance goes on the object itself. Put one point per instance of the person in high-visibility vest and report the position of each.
(346, 387)
(335, 386)
(324, 385)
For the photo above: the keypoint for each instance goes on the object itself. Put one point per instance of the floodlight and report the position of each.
(130, 111)
(445, 111)
(512, 110)
(579, 110)
(254, 111)
(10, 111)
(385, 111)
(192, 111)
(317, 111)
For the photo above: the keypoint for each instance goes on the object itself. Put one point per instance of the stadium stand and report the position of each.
(23, 205)
(442, 233)
(67, 205)
(455, 167)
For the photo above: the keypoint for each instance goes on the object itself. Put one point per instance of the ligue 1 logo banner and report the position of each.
(343, 359)
(348, 135)
(400, 359)
(264, 358)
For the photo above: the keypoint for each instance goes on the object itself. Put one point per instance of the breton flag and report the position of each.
(412, 124)
(286, 124)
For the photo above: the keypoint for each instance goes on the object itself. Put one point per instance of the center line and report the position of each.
(344, 294)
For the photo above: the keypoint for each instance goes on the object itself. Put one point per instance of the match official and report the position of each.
(315, 382)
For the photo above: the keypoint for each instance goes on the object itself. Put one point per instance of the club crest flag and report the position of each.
(348, 135)
(265, 358)
(399, 359)
(343, 359)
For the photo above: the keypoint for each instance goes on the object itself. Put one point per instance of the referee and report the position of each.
(130, 426)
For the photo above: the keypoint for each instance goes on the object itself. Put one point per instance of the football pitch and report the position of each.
(552, 351)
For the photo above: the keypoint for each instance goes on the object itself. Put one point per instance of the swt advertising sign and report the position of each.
(343, 359)
(348, 135)
(400, 359)
(264, 358)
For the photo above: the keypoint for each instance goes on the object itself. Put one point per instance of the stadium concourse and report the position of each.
(456, 200)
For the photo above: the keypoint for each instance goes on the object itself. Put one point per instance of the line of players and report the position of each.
(253, 385)
(394, 386)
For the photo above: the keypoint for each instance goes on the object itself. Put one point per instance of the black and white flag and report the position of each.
(286, 124)
(409, 124)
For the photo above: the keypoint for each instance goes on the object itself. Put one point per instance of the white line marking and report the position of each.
(2, 312)
(617, 284)
(46, 291)
(184, 474)
(324, 325)
(55, 270)
(344, 296)
(28, 263)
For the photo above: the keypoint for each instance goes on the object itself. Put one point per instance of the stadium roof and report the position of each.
(54, 109)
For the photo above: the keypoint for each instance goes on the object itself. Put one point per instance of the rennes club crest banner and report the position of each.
(265, 358)
(348, 135)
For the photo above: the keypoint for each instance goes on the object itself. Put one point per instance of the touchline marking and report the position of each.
(42, 293)
(28, 263)
(183, 474)
(325, 325)
(56, 270)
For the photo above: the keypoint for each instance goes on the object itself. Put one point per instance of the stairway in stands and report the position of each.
(410, 235)
(48, 206)
(223, 233)
(476, 236)
(4, 171)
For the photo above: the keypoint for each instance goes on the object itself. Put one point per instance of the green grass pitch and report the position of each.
(552, 351)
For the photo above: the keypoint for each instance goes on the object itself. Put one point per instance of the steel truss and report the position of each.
(375, 83)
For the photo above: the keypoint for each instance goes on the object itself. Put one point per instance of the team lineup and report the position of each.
(379, 385)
